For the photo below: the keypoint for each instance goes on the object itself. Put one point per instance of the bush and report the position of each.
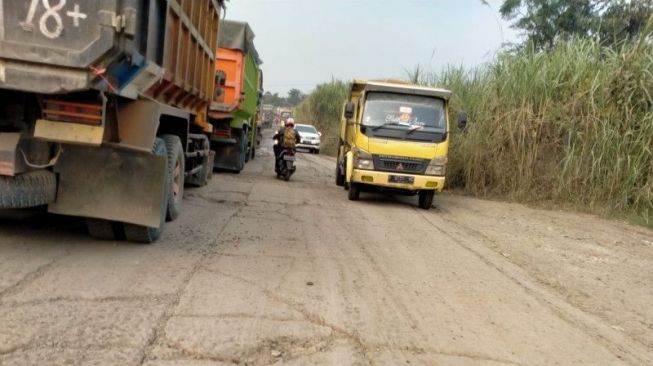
(573, 125)
(323, 108)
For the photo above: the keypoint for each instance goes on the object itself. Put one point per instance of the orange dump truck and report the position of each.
(234, 111)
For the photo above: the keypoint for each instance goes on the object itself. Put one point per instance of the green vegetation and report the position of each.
(322, 108)
(573, 126)
(295, 96)
(546, 22)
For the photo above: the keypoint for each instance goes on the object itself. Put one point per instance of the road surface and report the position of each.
(258, 271)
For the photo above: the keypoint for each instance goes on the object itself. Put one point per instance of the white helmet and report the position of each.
(290, 122)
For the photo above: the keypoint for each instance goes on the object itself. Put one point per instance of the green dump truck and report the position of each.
(234, 111)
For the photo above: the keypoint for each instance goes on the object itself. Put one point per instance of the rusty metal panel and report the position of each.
(189, 57)
(110, 184)
(11, 163)
(138, 122)
(69, 34)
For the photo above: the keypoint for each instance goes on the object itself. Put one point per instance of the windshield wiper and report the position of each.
(387, 124)
(413, 129)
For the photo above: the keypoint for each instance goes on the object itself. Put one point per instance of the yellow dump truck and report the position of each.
(394, 137)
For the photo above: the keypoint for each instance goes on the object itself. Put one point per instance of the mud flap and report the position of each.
(228, 156)
(10, 162)
(110, 184)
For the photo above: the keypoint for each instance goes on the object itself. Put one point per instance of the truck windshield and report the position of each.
(405, 117)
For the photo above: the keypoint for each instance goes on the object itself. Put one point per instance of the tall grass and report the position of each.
(322, 108)
(572, 126)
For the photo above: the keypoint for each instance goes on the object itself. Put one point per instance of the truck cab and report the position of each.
(394, 137)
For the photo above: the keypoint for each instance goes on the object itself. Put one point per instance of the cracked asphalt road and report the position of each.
(258, 271)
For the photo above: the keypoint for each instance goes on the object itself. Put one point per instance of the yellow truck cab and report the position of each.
(394, 136)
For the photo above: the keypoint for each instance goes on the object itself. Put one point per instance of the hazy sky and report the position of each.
(306, 42)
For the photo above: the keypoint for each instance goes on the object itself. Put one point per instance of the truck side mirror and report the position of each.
(349, 110)
(462, 121)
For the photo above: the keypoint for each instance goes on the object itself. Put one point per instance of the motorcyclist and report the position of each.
(279, 137)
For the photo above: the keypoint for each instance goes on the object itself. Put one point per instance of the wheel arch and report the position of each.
(174, 125)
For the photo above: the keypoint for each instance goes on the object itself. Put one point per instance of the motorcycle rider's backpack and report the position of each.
(289, 138)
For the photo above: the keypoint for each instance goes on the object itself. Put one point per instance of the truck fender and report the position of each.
(349, 166)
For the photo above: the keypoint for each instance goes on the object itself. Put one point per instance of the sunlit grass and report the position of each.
(574, 125)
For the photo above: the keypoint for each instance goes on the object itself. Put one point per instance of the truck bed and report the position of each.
(164, 50)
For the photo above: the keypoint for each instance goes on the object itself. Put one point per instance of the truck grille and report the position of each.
(400, 164)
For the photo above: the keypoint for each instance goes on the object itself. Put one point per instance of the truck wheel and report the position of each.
(354, 191)
(176, 170)
(243, 151)
(104, 229)
(201, 178)
(248, 146)
(143, 234)
(340, 178)
(210, 164)
(426, 199)
(29, 189)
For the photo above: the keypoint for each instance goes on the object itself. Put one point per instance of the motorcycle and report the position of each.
(285, 164)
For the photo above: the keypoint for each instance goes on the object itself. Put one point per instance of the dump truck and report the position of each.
(284, 114)
(103, 111)
(267, 115)
(394, 137)
(233, 113)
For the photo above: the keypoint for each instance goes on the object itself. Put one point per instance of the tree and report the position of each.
(274, 99)
(295, 96)
(546, 21)
(624, 19)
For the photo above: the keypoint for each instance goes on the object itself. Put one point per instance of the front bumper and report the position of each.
(381, 179)
(309, 146)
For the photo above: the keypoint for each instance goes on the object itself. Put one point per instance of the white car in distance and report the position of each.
(310, 138)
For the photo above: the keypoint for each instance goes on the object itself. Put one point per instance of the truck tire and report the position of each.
(242, 142)
(201, 178)
(426, 199)
(104, 229)
(248, 147)
(340, 178)
(176, 170)
(211, 163)
(144, 234)
(29, 189)
(354, 191)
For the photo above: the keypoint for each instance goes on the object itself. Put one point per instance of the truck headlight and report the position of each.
(437, 167)
(363, 160)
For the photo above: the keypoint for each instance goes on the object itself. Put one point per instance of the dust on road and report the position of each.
(258, 271)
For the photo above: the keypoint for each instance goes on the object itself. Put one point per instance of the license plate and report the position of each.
(289, 158)
(401, 179)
